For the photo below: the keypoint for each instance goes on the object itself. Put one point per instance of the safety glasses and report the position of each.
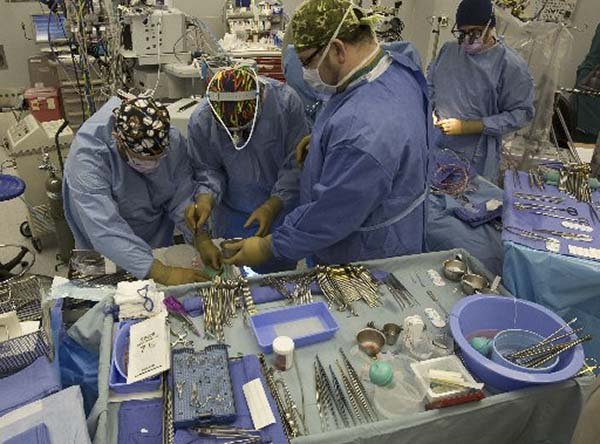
(472, 34)
(306, 63)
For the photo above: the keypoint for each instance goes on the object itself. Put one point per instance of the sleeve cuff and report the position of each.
(489, 127)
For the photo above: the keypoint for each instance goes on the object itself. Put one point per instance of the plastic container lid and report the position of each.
(10, 187)
(283, 345)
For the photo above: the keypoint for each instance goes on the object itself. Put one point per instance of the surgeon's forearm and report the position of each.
(507, 122)
(470, 127)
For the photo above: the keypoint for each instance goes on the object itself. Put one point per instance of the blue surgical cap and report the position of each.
(475, 13)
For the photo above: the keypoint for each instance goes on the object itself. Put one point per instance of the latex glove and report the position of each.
(209, 253)
(302, 150)
(456, 127)
(252, 251)
(265, 215)
(197, 214)
(166, 275)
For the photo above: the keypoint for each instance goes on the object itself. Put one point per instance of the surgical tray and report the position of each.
(305, 324)
(202, 391)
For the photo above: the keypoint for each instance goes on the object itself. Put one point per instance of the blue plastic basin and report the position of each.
(491, 312)
(513, 340)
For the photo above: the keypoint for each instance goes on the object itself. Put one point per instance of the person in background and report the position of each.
(480, 90)
(588, 107)
(126, 184)
(364, 182)
(242, 140)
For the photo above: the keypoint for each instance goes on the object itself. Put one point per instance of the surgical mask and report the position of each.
(143, 166)
(312, 77)
(477, 45)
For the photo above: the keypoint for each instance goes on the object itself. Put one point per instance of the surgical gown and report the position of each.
(363, 184)
(242, 180)
(315, 101)
(494, 86)
(117, 211)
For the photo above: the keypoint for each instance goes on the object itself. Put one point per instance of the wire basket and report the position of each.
(25, 297)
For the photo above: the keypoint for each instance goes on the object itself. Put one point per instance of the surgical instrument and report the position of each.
(534, 206)
(581, 237)
(539, 197)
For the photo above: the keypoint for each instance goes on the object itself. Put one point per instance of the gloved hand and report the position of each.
(302, 150)
(166, 275)
(456, 127)
(252, 251)
(209, 253)
(197, 214)
(265, 215)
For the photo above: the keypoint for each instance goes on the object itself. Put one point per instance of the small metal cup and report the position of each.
(228, 254)
(370, 341)
(474, 283)
(454, 269)
(391, 332)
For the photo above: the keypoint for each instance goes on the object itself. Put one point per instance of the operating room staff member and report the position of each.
(242, 141)
(363, 185)
(480, 90)
(314, 101)
(127, 182)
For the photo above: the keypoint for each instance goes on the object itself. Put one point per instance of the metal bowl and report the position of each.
(391, 332)
(228, 254)
(474, 283)
(370, 341)
(454, 269)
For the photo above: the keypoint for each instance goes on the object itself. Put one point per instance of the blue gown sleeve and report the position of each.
(352, 185)
(186, 187)
(109, 233)
(515, 100)
(206, 162)
(288, 181)
(430, 72)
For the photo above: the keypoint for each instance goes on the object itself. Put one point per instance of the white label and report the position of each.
(50, 103)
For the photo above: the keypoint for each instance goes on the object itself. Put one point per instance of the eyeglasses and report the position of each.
(461, 35)
(310, 58)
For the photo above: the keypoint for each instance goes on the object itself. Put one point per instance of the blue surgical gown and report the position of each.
(241, 181)
(364, 180)
(314, 101)
(495, 87)
(117, 211)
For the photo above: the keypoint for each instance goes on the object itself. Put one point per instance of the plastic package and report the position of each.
(403, 396)
(446, 363)
(283, 347)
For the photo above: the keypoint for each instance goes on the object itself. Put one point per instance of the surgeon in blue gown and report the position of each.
(363, 185)
(315, 101)
(127, 182)
(242, 140)
(480, 90)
